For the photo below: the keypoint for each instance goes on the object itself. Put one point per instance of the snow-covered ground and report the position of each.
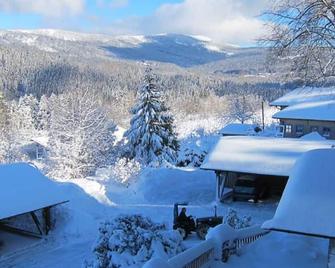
(153, 195)
(279, 250)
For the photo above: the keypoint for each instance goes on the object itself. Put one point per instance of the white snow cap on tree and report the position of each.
(151, 136)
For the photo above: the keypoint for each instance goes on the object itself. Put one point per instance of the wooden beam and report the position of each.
(47, 219)
(18, 231)
(37, 222)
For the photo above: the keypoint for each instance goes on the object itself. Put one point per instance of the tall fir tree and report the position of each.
(151, 136)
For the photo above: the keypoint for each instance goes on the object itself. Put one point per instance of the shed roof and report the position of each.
(305, 94)
(307, 204)
(259, 155)
(321, 111)
(238, 129)
(23, 188)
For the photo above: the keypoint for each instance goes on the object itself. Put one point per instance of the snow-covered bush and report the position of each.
(236, 221)
(191, 157)
(131, 240)
(123, 171)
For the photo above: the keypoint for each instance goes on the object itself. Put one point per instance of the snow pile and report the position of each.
(277, 250)
(307, 202)
(313, 136)
(122, 171)
(132, 240)
(167, 186)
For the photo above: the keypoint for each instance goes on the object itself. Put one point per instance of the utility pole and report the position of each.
(263, 119)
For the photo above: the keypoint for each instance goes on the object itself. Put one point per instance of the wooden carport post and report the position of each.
(47, 219)
(331, 253)
(221, 177)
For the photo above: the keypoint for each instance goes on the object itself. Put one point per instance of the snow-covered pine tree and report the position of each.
(81, 135)
(151, 136)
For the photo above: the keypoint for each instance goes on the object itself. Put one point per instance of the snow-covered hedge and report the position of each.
(131, 240)
(237, 222)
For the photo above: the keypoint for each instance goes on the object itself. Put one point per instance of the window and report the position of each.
(314, 129)
(288, 128)
(326, 132)
(299, 129)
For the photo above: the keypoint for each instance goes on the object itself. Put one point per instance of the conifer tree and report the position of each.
(151, 136)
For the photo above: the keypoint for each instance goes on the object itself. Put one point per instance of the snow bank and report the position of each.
(308, 201)
(313, 136)
(239, 129)
(278, 250)
(23, 188)
(170, 185)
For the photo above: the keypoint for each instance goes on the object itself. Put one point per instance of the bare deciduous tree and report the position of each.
(303, 31)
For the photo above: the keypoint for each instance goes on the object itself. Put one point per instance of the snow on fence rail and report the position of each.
(221, 242)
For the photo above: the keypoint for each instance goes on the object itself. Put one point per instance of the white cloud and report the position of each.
(112, 3)
(118, 3)
(47, 8)
(225, 21)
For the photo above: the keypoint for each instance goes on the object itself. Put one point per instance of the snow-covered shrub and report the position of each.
(123, 171)
(191, 157)
(236, 221)
(131, 240)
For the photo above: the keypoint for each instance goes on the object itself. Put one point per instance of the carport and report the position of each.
(27, 198)
(268, 158)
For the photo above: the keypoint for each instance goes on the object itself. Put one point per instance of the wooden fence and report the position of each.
(223, 239)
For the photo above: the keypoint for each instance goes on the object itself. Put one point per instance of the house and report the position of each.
(36, 148)
(305, 110)
(304, 118)
(270, 160)
(236, 129)
(25, 191)
(305, 94)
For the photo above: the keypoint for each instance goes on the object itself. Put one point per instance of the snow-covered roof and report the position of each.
(305, 94)
(23, 188)
(307, 203)
(43, 140)
(238, 129)
(259, 155)
(320, 110)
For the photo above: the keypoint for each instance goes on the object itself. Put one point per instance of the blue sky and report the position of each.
(224, 21)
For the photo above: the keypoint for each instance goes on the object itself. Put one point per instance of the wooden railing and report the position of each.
(230, 247)
(220, 244)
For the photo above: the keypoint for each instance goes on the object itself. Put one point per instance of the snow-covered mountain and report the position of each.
(182, 50)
